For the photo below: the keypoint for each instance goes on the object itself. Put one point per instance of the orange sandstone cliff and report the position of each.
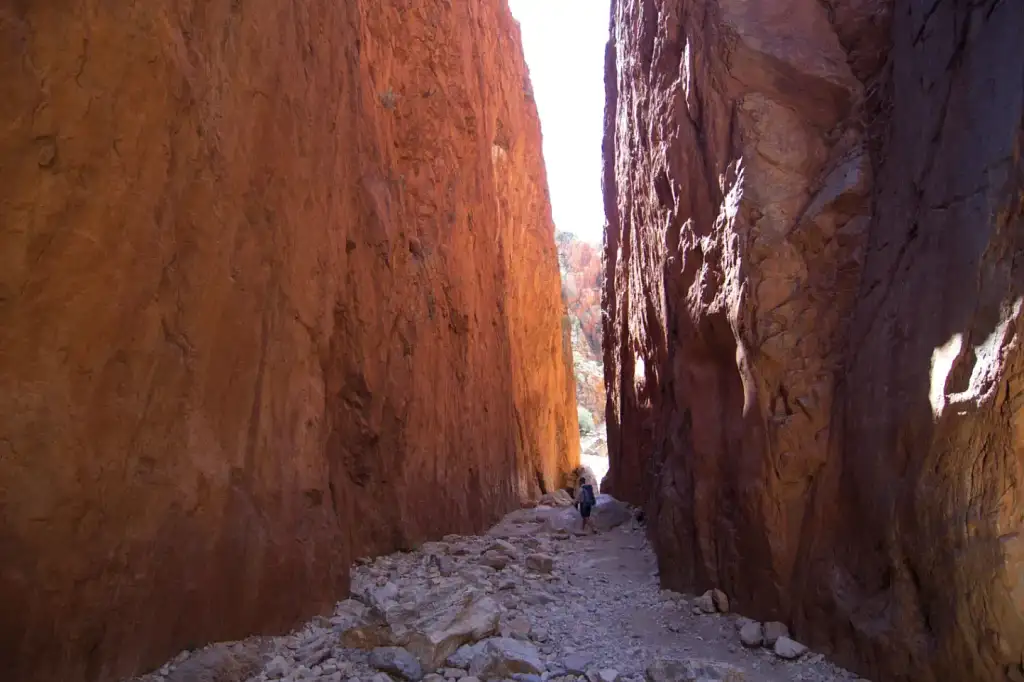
(278, 287)
(813, 347)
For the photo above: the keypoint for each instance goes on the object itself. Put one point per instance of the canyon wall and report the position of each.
(278, 288)
(581, 268)
(813, 296)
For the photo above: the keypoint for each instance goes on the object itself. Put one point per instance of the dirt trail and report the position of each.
(614, 611)
(579, 606)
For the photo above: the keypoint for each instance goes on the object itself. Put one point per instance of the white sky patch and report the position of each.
(564, 43)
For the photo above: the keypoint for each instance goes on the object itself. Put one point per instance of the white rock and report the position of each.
(720, 600)
(773, 630)
(693, 670)
(398, 661)
(540, 563)
(502, 657)
(704, 603)
(788, 648)
(752, 635)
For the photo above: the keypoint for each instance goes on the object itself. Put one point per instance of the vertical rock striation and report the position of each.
(813, 302)
(278, 287)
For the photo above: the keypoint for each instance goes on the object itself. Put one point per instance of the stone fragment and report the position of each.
(398, 661)
(444, 627)
(559, 498)
(540, 563)
(219, 663)
(773, 630)
(517, 626)
(693, 670)
(463, 656)
(705, 603)
(502, 547)
(495, 560)
(502, 657)
(720, 600)
(752, 635)
(788, 648)
(276, 668)
(577, 664)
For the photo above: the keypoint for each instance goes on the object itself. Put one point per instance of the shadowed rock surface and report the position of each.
(813, 297)
(278, 288)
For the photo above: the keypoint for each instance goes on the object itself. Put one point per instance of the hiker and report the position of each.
(585, 501)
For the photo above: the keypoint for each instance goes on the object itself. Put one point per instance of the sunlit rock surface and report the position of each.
(278, 288)
(813, 302)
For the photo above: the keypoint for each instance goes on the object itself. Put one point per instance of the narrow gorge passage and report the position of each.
(281, 287)
(531, 600)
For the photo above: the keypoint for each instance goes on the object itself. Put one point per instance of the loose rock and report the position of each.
(495, 560)
(704, 603)
(720, 600)
(398, 661)
(577, 664)
(693, 670)
(219, 663)
(751, 635)
(788, 648)
(773, 630)
(502, 657)
(541, 563)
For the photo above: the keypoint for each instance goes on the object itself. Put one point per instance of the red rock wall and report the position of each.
(581, 268)
(813, 297)
(278, 287)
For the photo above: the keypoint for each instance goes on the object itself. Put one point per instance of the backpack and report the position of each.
(587, 495)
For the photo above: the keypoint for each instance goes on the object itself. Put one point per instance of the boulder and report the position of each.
(693, 670)
(517, 626)
(432, 624)
(721, 600)
(398, 661)
(577, 664)
(502, 547)
(788, 648)
(502, 657)
(773, 630)
(440, 630)
(751, 634)
(495, 560)
(705, 603)
(463, 656)
(586, 473)
(540, 563)
(559, 498)
(219, 663)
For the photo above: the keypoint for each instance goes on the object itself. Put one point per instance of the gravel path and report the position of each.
(555, 605)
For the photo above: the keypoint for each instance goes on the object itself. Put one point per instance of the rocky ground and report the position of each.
(533, 600)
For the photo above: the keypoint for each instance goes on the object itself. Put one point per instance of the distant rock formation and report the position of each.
(580, 266)
(278, 288)
(814, 293)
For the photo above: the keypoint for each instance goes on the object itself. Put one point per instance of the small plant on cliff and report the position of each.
(388, 99)
(586, 420)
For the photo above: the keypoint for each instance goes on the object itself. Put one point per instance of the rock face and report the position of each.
(813, 300)
(278, 288)
(580, 267)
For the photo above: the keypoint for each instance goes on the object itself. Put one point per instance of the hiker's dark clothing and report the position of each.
(586, 500)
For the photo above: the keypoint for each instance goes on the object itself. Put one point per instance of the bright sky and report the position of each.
(564, 42)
